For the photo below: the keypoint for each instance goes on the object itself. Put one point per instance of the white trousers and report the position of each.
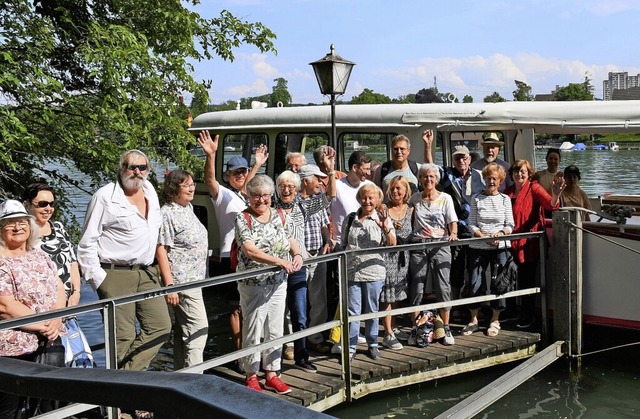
(192, 329)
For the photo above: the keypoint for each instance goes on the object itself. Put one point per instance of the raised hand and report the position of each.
(427, 137)
(558, 183)
(209, 146)
(261, 154)
(329, 158)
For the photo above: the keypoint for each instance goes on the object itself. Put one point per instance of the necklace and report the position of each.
(402, 210)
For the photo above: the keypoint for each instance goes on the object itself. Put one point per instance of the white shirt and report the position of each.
(227, 205)
(115, 232)
(343, 204)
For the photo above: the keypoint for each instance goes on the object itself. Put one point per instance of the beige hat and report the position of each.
(491, 138)
(460, 149)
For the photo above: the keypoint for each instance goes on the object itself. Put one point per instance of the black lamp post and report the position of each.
(332, 72)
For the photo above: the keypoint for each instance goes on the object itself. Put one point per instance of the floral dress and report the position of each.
(396, 282)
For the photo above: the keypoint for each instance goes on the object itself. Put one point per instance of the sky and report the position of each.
(465, 47)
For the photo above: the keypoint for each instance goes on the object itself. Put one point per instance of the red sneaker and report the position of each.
(277, 385)
(254, 384)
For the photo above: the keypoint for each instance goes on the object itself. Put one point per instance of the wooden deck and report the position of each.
(411, 365)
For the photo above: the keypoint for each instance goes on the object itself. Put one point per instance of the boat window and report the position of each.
(242, 145)
(297, 142)
(376, 145)
(473, 141)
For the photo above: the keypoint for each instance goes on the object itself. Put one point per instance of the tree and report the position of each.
(102, 78)
(410, 98)
(280, 93)
(429, 95)
(572, 92)
(522, 92)
(200, 102)
(494, 97)
(371, 97)
(467, 99)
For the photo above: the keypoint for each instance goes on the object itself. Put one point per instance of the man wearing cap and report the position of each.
(317, 240)
(399, 165)
(461, 182)
(227, 204)
(116, 253)
(491, 145)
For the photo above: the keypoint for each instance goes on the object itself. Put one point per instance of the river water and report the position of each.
(606, 386)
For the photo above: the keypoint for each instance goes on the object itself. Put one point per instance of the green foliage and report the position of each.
(522, 92)
(467, 99)
(200, 101)
(368, 96)
(410, 98)
(430, 95)
(82, 82)
(280, 93)
(494, 98)
(574, 91)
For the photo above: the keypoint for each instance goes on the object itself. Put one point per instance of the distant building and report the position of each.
(618, 81)
(542, 97)
(632, 93)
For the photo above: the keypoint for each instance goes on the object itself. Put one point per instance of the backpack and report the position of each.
(413, 166)
(504, 277)
(235, 249)
(424, 328)
(77, 352)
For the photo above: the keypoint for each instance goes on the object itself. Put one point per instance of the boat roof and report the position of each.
(544, 117)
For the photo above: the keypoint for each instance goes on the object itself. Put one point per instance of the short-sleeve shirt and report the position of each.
(187, 239)
(489, 214)
(226, 206)
(366, 234)
(344, 203)
(32, 280)
(270, 237)
(430, 220)
(406, 173)
(61, 251)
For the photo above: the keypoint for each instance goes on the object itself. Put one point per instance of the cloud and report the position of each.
(610, 7)
(260, 67)
(257, 88)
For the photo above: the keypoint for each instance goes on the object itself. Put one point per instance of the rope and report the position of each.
(606, 239)
(605, 350)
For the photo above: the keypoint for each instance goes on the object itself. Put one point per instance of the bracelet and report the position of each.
(386, 232)
(331, 173)
(297, 254)
(74, 291)
(170, 285)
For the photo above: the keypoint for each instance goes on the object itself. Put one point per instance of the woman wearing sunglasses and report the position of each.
(40, 201)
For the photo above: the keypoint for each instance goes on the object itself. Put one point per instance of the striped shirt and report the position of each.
(489, 214)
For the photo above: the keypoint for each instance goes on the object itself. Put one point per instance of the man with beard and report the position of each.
(491, 145)
(116, 254)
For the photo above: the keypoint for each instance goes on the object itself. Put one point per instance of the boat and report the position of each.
(566, 146)
(579, 147)
(599, 147)
(284, 129)
(613, 146)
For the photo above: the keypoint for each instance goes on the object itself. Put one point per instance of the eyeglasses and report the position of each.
(18, 224)
(263, 197)
(44, 204)
(188, 186)
(285, 187)
(141, 167)
(400, 149)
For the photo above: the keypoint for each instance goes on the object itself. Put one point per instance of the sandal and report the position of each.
(143, 414)
(494, 328)
(469, 329)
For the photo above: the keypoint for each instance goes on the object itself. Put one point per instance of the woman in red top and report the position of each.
(529, 201)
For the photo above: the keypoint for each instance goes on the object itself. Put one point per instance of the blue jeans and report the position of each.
(480, 261)
(297, 303)
(363, 299)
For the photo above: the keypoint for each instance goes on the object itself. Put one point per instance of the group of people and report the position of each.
(130, 243)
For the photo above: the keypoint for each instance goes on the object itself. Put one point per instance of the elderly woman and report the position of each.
(396, 285)
(29, 284)
(573, 195)
(490, 216)
(434, 219)
(40, 201)
(529, 200)
(182, 257)
(266, 238)
(367, 228)
(288, 184)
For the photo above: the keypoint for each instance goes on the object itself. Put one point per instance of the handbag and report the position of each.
(51, 353)
(504, 277)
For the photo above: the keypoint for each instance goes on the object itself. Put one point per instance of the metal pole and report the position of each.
(334, 131)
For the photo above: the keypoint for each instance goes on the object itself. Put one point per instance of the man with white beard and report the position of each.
(116, 254)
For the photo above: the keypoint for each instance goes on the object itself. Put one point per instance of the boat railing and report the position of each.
(107, 308)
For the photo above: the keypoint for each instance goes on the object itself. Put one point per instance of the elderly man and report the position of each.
(227, 204)
(399, 165)
(294, 161)
(320, 155)
(491, 145)
(461, 182)
(116, 254)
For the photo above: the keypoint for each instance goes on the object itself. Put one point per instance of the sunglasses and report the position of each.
(141, 167)
(44, 204)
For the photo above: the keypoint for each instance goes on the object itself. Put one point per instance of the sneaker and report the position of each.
(254, 384)
(336, 349)
(288, 353)
(361, 340)
(400, 335)
(374, 353)
(412, 340)
(448, 338)
(306, 366)
(391, 342)
(277, 385)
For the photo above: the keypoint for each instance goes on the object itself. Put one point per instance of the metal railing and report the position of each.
(107, 306)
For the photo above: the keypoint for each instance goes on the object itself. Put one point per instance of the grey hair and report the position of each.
(34, 232)
(318, 153)
(429, 167)
(260, 184)
(290, 155)
(398, 138)
(124, 160)
(288, 175)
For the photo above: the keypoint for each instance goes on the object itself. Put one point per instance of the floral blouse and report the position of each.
(60, 249)
(270, 237)
(32, 280)
(188, 241)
